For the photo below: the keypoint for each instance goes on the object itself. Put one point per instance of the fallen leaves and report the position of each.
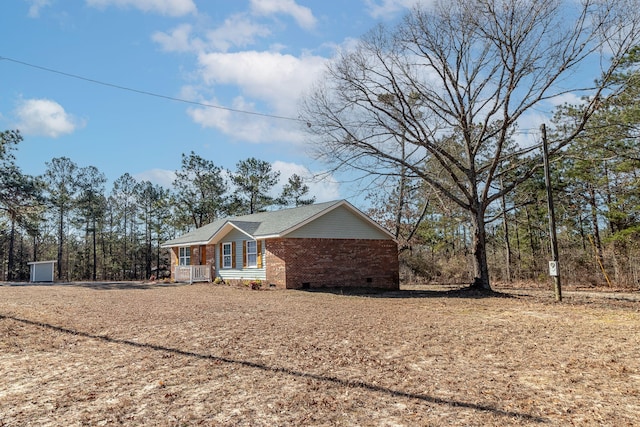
(214, 355)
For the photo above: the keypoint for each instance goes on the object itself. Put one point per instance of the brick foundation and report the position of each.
(317, 263)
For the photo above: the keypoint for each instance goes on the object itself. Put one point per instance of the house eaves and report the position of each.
(267, 225)
(199, 236)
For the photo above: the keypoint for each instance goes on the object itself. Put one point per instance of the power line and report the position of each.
(144, 92)
(524, 131)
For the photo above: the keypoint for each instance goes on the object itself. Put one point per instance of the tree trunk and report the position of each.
(95, 255)
(583, 237)
(21, 259)
(148, 256)
(60, 242)
(86, 273)
(596, 227)
(518, 249)
(124, 262)
(507, 243)
(480, 266)
(401, 202)
(11, 261)
(35, 248)
(158, 259)
(532, 245)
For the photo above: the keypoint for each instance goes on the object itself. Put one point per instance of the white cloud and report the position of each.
(163, 7)
(566, 98)
(160, 177)
(302, 15)
(35, 6)
(275, 78)
(236, 31)
(239, 30)
(45, 117)
(262, 80)
(528, 133)
(529, 124)
(247, 127)
(385, 8)
(324, 187)
(178, 40)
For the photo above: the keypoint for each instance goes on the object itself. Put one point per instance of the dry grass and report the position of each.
(138, 354)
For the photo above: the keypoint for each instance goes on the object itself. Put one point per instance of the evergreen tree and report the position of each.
(253, 181)
(123, 196)
(60, 179)
(199, 191)
(154, 212)
(91, 205)
(294, 192)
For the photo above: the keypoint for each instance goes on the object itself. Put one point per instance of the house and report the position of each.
(329, 244)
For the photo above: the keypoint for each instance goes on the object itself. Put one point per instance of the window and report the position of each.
(252, 253)
(227, 255)
(184, 257)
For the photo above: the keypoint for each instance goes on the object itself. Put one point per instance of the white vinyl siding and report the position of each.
(339, 223)
(239, 271)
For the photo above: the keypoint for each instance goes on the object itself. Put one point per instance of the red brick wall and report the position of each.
(274, 259)
(211, 259)
(174, 261)
(316, 263)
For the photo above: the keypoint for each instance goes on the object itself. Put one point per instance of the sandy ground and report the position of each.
(153, 354)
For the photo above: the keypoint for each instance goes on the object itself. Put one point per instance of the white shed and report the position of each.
(41, 271)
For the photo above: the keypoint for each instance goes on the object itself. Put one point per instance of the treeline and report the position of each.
(94, 233)
(68, 215)
(597, 207)
(595, 182)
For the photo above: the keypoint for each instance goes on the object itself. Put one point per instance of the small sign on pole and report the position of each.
(553, 268)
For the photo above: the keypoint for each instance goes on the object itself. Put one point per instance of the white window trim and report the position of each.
(184, 255)
(224, 257)
(255, 264)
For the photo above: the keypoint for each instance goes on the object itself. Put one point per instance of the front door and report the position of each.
(203, 255)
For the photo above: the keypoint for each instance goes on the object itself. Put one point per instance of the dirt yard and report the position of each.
(137, 354)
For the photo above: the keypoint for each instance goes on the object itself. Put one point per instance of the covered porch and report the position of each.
(193, 273)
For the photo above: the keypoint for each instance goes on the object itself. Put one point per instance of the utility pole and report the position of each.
(554, 267)
(506, 233)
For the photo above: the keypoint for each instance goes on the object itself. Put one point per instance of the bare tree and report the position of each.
(451, 83)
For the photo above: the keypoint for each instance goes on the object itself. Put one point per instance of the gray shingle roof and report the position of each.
(258, 225)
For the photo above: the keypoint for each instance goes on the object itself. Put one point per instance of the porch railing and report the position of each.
(193, 273)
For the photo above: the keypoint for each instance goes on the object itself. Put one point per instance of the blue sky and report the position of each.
(250, 55)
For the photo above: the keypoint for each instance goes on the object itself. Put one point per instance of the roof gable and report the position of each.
(341, 222)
